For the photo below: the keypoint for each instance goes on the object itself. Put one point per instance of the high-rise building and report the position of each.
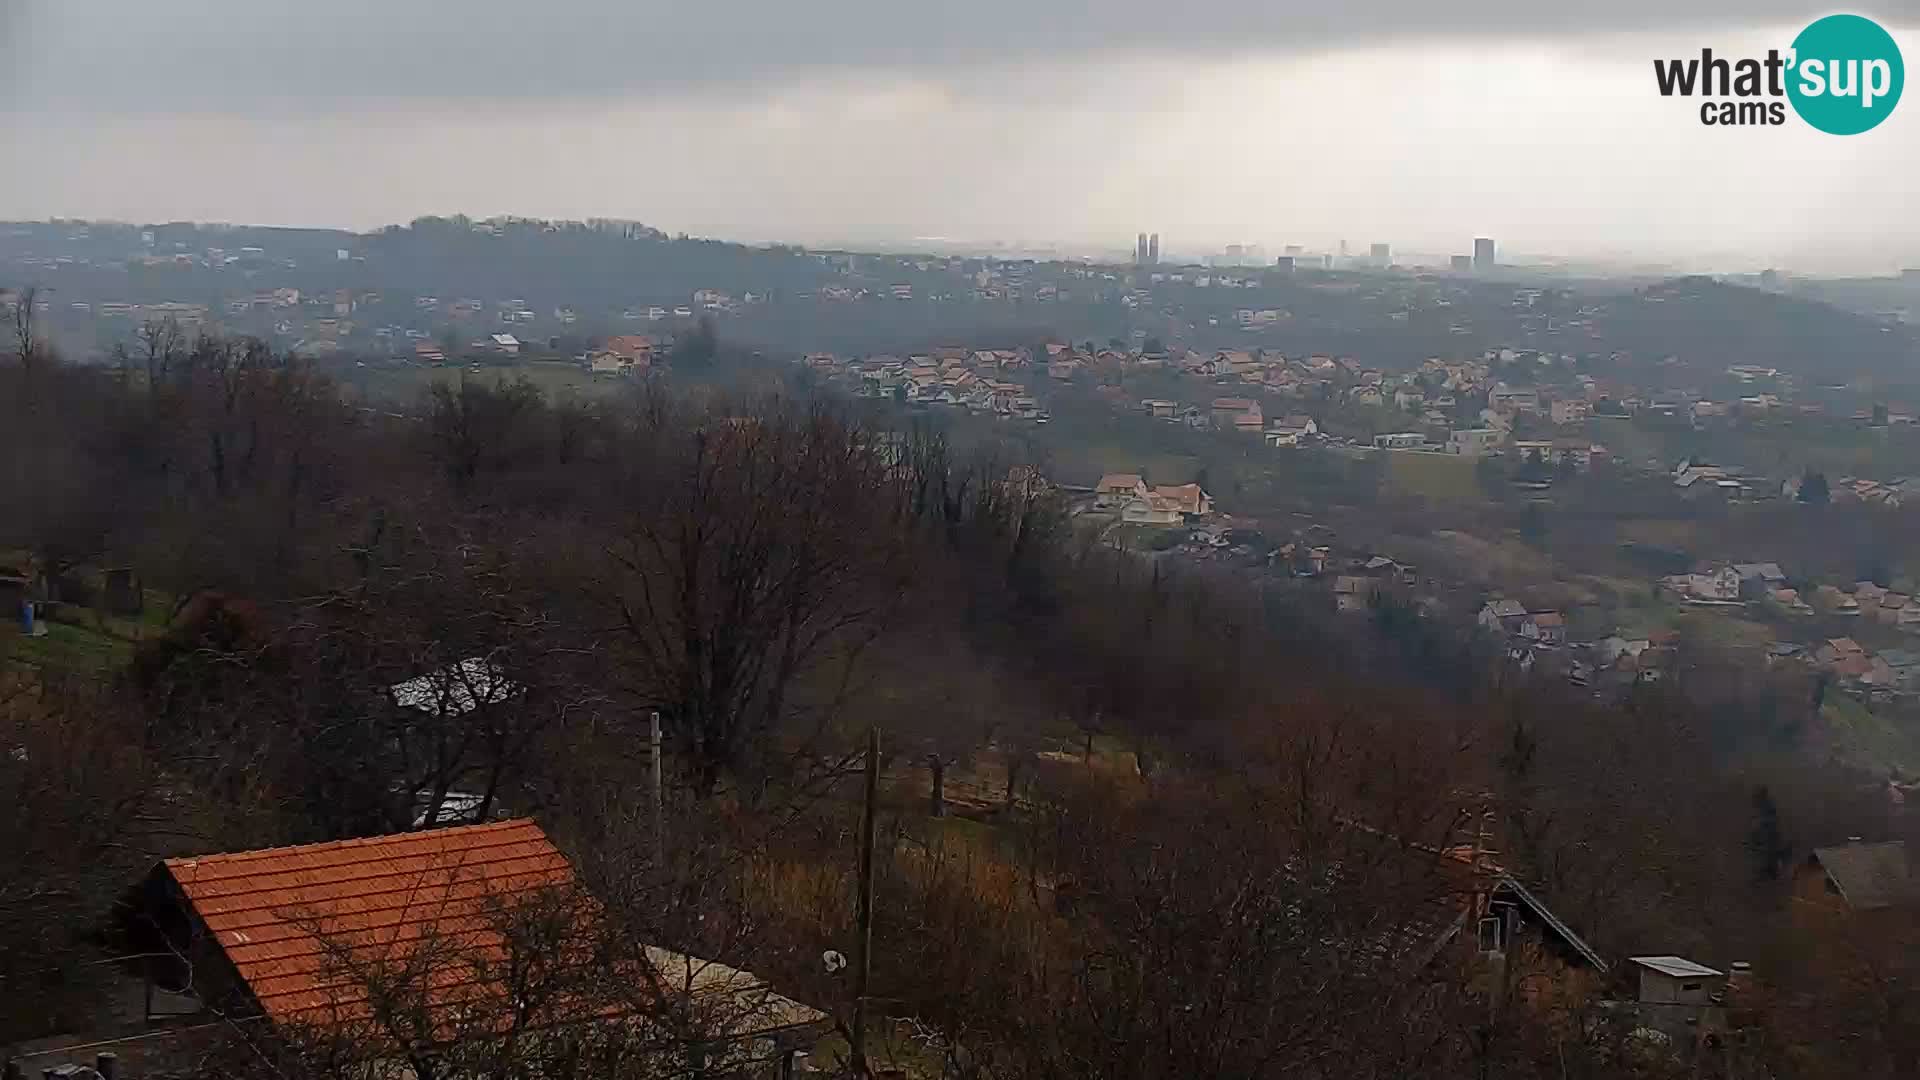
(1381, 253)
(1284, 263)
(1153, 249)
(1483, 253)
(1140, 250)
(1294, 250)
(1463, 263)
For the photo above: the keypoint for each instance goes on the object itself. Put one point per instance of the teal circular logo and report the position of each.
(1846, 74)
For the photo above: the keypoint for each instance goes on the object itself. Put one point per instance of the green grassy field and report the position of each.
(405, 384)
(1432, 476)
(85, 641)
(1871, 738)
(66, 647)
(1626, 442)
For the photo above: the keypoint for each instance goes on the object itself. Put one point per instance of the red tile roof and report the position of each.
(629, 344)
(276, 912)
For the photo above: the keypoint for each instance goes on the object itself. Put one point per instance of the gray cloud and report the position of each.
(138, 55)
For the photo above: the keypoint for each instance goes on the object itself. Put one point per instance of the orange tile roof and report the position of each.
(627, 344)
(276, 912)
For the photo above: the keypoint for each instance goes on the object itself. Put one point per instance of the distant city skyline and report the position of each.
(1105, 251)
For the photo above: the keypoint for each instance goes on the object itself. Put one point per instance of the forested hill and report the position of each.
(1714, 323)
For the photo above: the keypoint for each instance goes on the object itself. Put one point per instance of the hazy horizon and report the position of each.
(851, 124)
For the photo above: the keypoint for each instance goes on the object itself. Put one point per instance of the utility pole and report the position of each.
(863, 918)
(659, 796)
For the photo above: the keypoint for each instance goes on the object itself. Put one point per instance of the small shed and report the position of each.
(1673, 980)
(15, 591)
(124, 596)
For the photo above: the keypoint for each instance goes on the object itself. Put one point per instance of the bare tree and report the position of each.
(77, 791)
(26, 341)
(762, 559)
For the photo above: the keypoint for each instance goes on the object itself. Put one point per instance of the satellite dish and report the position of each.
(833, 960)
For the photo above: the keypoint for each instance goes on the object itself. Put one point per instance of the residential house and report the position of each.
(1857, 877)
(1579, 453)
(1307, 561)
(1891, 607)
(1851, 667)
(1353, 594)
(1834, 650)
(1503, 616)
(1236, 363)
(1117, 489)
(1506, 399)
(1530, 450)
(1689, 475)
(505, 344)
(1829, 598)
(627, 354)
(1904, 667)
(1159, 408)
(281, 936)
(1514, 938)
(1612, 648)
(1399, 440)
(456, 689)
(1189, 499)
(1852, 664)
(1151, 509)
(1475, 442)
(1789, 600)
(1240, 414)
(1720, 585)
(1759, 579)
(1781, 652)
(1290, 430)
(1544, 627)
(1570, 411)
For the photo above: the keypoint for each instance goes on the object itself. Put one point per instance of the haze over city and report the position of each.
(997, 125)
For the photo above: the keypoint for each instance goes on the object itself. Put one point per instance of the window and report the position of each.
(1493, 934)
(1690, 988)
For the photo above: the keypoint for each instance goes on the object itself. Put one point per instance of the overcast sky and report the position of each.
(1021, 121)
